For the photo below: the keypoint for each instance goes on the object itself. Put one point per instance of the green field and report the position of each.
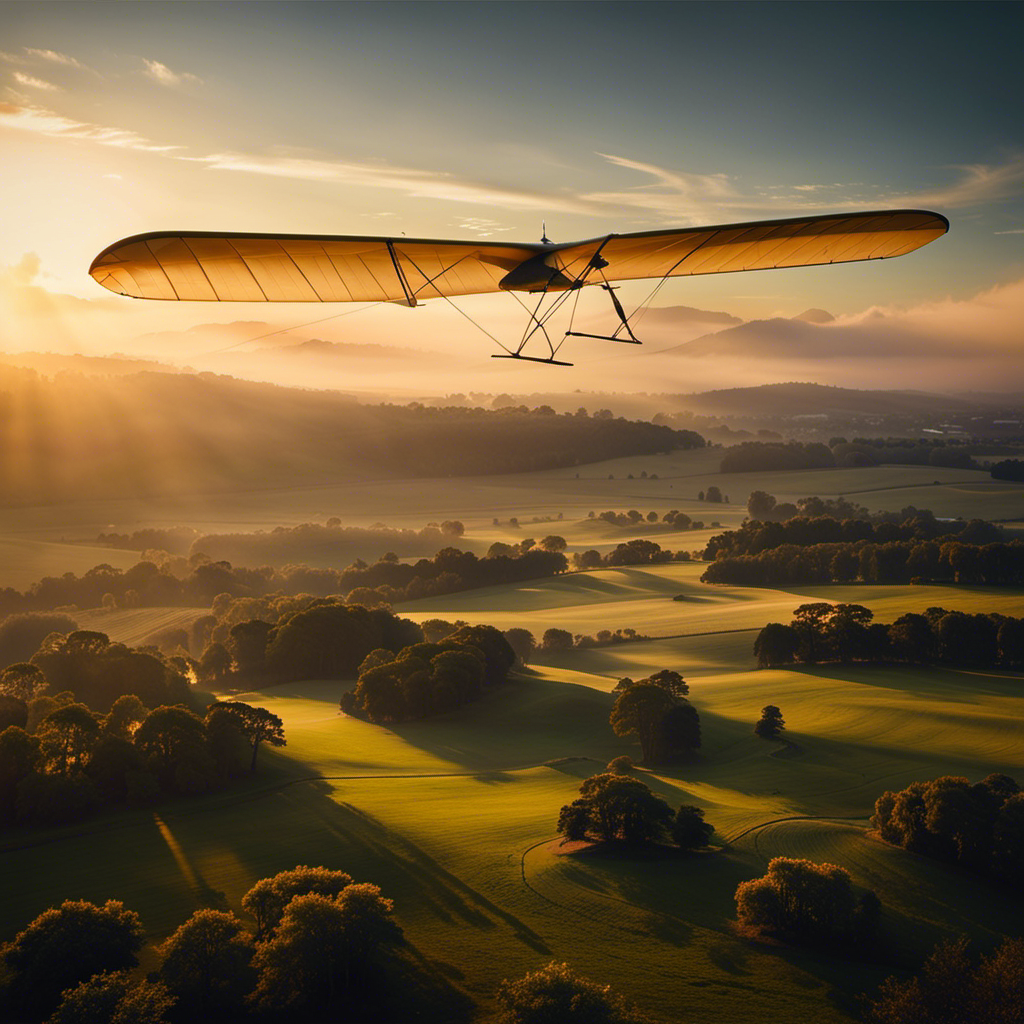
(32, 535)
(455, 817)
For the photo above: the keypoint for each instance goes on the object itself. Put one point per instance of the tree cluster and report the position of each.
(895, 562)
(1008, 469)
(327, 544)
(429, 678)
(615, 806)
(823, 632)
(804, 901)
(638, 551)
(656, 710)
(758, 456)
(555, 639)
(633, 519)
(813, 525)
(76, 760)
(954, 988)
(320, 952)
(385, 581)
(979, 826)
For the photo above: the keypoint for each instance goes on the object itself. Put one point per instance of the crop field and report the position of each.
(455, 817)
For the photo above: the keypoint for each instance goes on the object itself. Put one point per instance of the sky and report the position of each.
(486, 119)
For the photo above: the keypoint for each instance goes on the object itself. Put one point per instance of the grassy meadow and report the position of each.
(455, 817)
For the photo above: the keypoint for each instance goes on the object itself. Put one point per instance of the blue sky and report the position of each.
(467, 119)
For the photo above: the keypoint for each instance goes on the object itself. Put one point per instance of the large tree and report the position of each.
(555, 994)
(67, 736)
(612, 806)
(66, 945)
(258, 725)
(266, 900)
(640, 709)
(206, 964)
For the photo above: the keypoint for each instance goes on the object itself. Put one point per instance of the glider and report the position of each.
(209, 267)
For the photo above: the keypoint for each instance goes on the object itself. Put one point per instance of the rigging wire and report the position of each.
(294, 327)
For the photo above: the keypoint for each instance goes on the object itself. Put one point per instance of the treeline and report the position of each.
(328, 544)
(894, 562)
(205, 433)
(671, 520)
(823, 632)
(429, 678)
(1008, 469)
(638, 551)
(147, 584)
(756, 535)
(980, 826)
(766, 507)
(758, 456)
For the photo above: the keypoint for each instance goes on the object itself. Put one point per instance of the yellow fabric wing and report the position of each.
(313, 268)
(764, 245)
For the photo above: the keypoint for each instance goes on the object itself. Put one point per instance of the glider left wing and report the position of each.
(310, 268)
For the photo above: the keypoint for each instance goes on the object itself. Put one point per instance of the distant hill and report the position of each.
(79, 437)
(795, 399)
(687, 315)
(815, 316)
(49, 363)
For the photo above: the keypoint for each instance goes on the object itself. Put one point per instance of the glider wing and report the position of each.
(764, 245)
(308, 268)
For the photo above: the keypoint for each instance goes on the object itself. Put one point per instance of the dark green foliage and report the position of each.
(667, 726)
(266, 900)
(980, 826)
(55, 799)
(205, 964)
(67, 736)
(823, 632)
(19, 755)
(22, 633)
(613, 806)
(13, 711)
(173, 742)
(554, 994)
(689, 829)
(64, 946)
(806, 901)
(770, 724)
(111, 998)
(22, 681)
(1008, 469)
(522, 642)
(97, 671)
(257, 725)
(555, 639)
(952, 988)
(322, 951)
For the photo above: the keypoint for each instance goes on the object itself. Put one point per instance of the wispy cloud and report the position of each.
(1012, 231)
(46, 122)
(482, 227)
(165, 76)
(35, 83)
(56, 58)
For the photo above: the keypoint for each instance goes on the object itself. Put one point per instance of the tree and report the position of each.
(760, 505)
(22, 634)
(689, 829)
(640, 709)
(521, 641)
(66, 945)
(318, 944)
(111, 998)
(126, 714)
(553, 543)
(174, 743)
(215, 664)
(714, 493)
(670, 680)
(258, 725)
(952, 989)
(206, 964)
(556, 639)
(22, 680)
(775, 645)
(554, 994)
(770, 724)
(804, 900)
(67, 736)
(266, 900)
(613, 806)
(247, 645)
(678, 732)
(19, 755)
